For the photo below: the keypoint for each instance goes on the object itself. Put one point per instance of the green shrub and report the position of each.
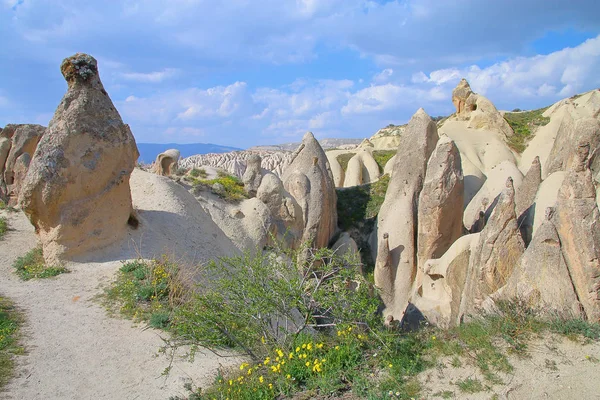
(3, 227)
(382, 157)
(198, 173)
(343, 159)
(233, 187)
(524, 124)
(10, 320)
(32, 265)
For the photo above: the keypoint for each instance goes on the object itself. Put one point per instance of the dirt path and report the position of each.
(75, 350)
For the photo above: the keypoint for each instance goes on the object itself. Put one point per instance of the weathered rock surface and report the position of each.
(288, 220)
(525, 200)
(398, 213)
(166, 163)
(76, 192)
(309, 180)
(497, 252)
(485, 199)
(570, 134)
(541, 279)
(362, 168)
(345, 246)
(235, 161)
(338, 173)
(460, 94)
(439, 294)
(253, 175)
(384, 271)
(577, 222)
(440, 202)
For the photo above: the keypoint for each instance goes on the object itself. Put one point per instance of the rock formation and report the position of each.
(166, 163)
(577, 222)
(497, 252)
(460, 94)
(440, 202)
(235, 161)
(525, 199)
(384, 271)
(362, 168)
(253, 175)
(541, 279)
(76, 192)
(398, 213)
(309, 180)
(570, 134)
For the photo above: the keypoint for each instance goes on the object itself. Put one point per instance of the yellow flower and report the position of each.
(337, 347)
(319, 345)
(304, 345)
(339, 333)
(359, 336)
(349, 329)
(390, 365)
(262, 339)
(433, 338)
(323, 360)
(307, 364)
(297, 349)
(309, 346)
(267, 360)
(230, 382)
(279, 353)
(270, 386)
(261, 379)
(249, 371)
(288, 376)
(243, 365)
(291, 356)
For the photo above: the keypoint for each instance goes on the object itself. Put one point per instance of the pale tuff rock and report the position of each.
(20, 168)
(346, 247)
(253, 175)
(577, 222)
(398, 213)
(288, 221)
(166, 163)
(5, 144)
(546, 196)
(478, 110)
(440, 202)
(384, 271)
(541, 279)
(76, 192)
(485, 199)
(387, 138)
(309, 180)
(389, 166)
(525, 200)
(336, 169)
(235, 162)
(438, 295)
(571, 132)
(460, 94)
(362, 168)
(473, 180)
(497, 252)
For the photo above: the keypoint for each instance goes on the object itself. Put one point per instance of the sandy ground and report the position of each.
(554, 368)
(75, 350)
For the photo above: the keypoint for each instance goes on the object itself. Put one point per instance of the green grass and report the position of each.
(3, 227)
(524, 124)
(343, 159)
(233, 187)
(198, 173)
(470, 385)
(10, 320)
(32, 265)
(382, 157)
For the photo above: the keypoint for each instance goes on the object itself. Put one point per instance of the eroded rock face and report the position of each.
(497, 253)
(440, 202)
(166, 163)
(577, 222)
(76, 192)
(309, 180)
(362, 168)
(398, 213)
(525, 199)
(541, 279)
(253, 175)
(570, 133)
(287, 214)
(460, 94)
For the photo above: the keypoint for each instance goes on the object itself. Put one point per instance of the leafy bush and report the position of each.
(233, 187)
(32, 265)
(10, 320)
(382, 157)
(3, 227)
(198, 173)
(343, 159)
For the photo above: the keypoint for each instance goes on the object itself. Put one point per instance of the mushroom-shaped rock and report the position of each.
(253, 175)
(440, 202)
(76, 192)
(577, 222)
(167, 162)
(541, 280)
(460, 94)
(309, 180)
(497, 252)
(398, 213)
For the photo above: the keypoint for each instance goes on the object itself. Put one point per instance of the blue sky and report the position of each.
(247, 72)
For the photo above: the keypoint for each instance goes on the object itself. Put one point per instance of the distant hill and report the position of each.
(325, 144)
(149, 151)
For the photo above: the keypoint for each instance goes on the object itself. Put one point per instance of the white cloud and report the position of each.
(383, 76)
(150, 77)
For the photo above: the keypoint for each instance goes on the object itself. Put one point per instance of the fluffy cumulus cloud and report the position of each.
(239, 72)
